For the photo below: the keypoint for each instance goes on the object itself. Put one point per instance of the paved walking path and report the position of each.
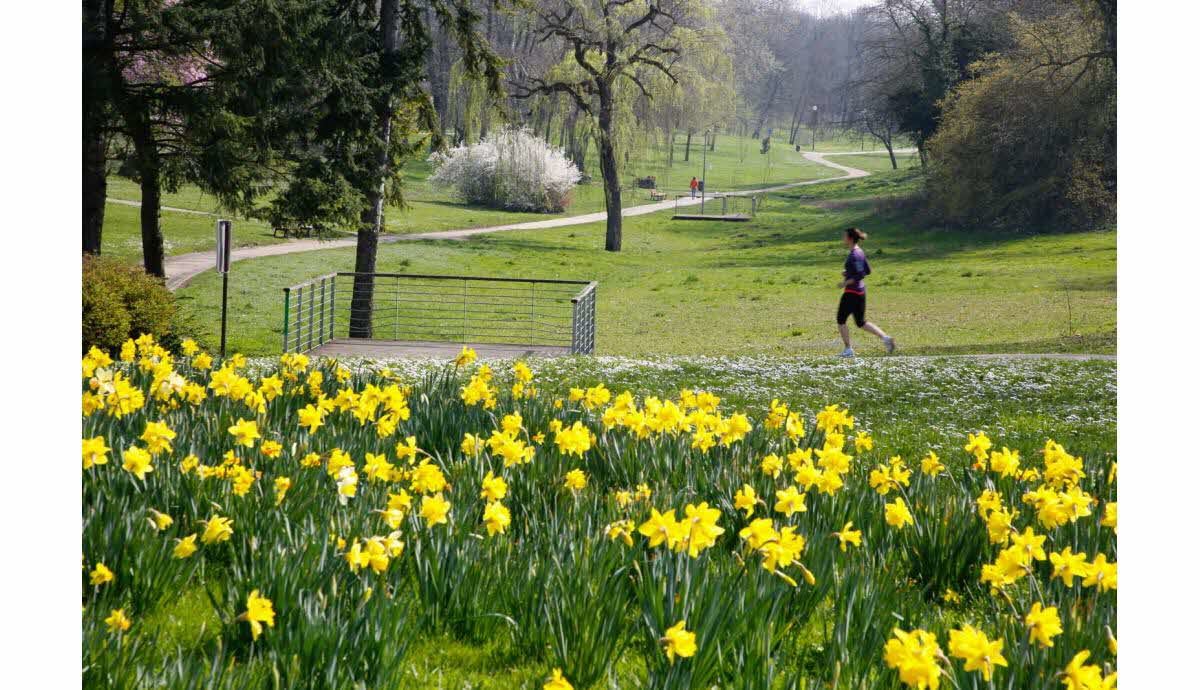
(173, 209)
(183, 267)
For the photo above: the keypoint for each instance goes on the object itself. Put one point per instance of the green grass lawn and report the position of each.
(878, 162)
(767, 286)
(182, 232)
(736, 164)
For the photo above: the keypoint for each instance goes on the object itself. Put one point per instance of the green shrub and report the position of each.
(120, 301)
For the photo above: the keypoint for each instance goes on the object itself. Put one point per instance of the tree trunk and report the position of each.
(687, 147)
(608, 169)
(712, 145)
(95, 185)
(671, 147)
(766, 109)
(363, 297)
(152, 239)
(438, 71)
(148, 167)
(96, 51)
(891, 154)
(797, 121)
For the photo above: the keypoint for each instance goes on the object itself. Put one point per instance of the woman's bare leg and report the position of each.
(873, 329)
(845, 331)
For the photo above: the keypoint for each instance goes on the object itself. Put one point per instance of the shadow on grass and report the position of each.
(1090, 343)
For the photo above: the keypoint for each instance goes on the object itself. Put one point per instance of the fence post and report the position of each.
(532, 297)
(396, 324)
(591, 344)
(464, 291)
(332, 304)
(574, 325)
(287, 298)
(299, 313)
(321, 330)
(311, 304)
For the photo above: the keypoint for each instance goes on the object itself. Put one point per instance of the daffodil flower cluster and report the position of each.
(288, 493)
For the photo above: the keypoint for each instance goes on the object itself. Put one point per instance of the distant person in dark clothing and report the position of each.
(854, 294)
(695, 184)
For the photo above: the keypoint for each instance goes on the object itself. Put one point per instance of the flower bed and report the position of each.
(332, 514)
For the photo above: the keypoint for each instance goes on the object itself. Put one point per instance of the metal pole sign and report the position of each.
(224, 249)
(224, 244)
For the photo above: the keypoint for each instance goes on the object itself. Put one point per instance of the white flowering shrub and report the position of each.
(511, 169)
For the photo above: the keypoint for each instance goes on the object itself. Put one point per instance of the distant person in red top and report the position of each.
(694, 185)
(854, 294)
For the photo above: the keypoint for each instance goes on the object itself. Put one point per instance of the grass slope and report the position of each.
(766, 286)
(735, 164)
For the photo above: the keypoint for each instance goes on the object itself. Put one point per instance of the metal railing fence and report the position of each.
(722, 204)
(466, 309)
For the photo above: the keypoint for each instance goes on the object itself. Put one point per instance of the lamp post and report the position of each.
(814, 129)
(703, 171)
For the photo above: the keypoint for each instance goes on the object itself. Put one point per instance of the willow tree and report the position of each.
(609, 41)
(703, 99)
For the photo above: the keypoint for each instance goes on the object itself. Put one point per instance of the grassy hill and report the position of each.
(768, 286)
(735, 164)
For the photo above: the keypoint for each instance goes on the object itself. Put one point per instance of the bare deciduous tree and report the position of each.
(608, 40)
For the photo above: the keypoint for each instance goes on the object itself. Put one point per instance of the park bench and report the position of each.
(656, 195)
(284, 231)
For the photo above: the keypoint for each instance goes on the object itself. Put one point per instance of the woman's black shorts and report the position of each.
(852, 304)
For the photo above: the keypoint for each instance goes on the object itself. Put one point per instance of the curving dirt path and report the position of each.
(183, 267)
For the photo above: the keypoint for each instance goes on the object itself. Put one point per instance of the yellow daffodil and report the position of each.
(662, 528)
(574, 440)
(184, 547)
(897, 515)
(621, 529)
(678, 642)
(977, 651)
(771, 465)
(496, 518)
(1101, 574)
(95, 452)
(465, 358)
(137, 462)
(1078, 676)
(745, 499)
(311, 417)
(160, 521)
(245, 432)
(1110, 516)
(932, 465)
(217, 529)
(575, 480)
(1044, 624)
(789, 501)
(494, 488)
(101, 575)
(282, 484)
(914, 655)
(848, 536)
(557, 682)
(117, 621)
(259, 611)
(435, 510)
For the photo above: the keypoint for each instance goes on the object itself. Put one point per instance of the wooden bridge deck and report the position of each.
(736, 217)
(428, 349)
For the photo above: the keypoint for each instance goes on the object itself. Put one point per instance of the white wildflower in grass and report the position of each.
(512, 169)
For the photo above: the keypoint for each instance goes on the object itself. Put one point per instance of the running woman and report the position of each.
(854, 294)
